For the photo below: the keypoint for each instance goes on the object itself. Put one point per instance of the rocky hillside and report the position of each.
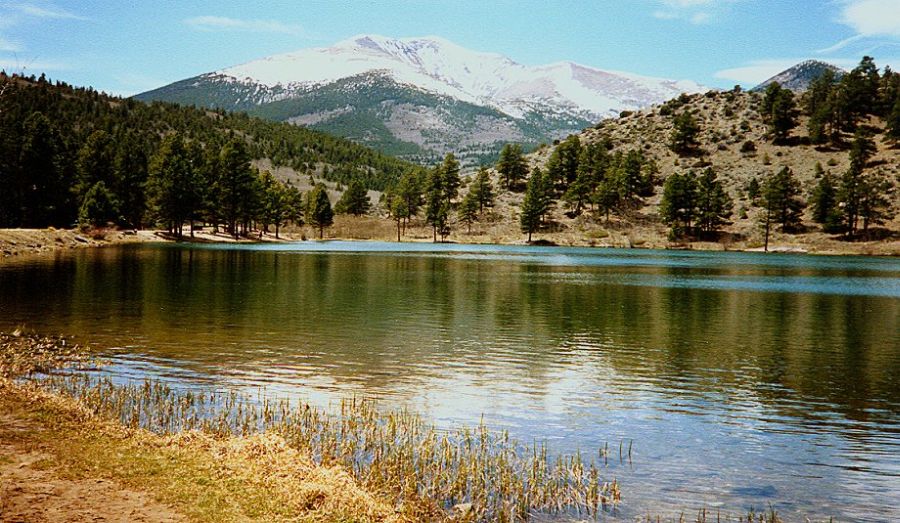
(733, 141)
(420, 98)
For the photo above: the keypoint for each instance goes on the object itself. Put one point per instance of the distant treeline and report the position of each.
(73, 154)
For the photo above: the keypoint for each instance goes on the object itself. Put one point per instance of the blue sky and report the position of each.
(128, 47)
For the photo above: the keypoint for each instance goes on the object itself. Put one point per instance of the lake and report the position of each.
(742, 379)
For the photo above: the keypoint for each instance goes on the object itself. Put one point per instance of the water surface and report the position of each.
(743, 379)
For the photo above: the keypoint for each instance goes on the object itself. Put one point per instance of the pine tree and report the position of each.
(781, 199)
(824, 203)
(468, 210)
(678, 207)
(399, 209)
(684, 135)
(816, 106)
(451, 181)
(295, 204)
(436, 211)
(606, 197)
(130, 166)
(38, 189)
(753, 190)
(483, 190)
(235, 185)
(95, 163)
(714, 206)
(875, 206)
(536, 203)
(274, 203)
(98, 206)
(893, 121)
(174, 184)
(863, 195)
(562, 166)
(409, 189)
(779, 111)
(512, 166)
(354, 200)
(318, 209)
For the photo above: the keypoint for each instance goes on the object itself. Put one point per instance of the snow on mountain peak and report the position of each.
(440, 66)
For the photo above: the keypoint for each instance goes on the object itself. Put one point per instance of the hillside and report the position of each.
(734, 141)
(420, 98)
(727, 121)
(45, 130)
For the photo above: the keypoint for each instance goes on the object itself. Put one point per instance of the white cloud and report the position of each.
(755, 72)
(665, 15)
(46, 11)
(873, 17)
(871, 20)
(221, 23)
(700, 18)
(697, 12)
(36, 67)
(9, 46)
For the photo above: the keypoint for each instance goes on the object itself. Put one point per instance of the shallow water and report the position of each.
(743, 379)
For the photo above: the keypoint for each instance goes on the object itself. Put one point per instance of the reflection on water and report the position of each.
(743, 379)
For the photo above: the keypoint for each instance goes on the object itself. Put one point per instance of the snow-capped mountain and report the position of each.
(798, 77)
(423, 96)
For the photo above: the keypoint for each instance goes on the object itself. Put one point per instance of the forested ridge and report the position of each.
(72, 154)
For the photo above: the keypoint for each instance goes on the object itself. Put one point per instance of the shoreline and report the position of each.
(77, 448)
(29, 243)
(218, 456)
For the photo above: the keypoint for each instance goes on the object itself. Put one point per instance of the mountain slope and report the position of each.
(418, 97)
(798, 77)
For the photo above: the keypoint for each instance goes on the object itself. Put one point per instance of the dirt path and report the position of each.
(33, 490)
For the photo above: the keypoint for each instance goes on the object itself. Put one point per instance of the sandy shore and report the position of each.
(18, 243)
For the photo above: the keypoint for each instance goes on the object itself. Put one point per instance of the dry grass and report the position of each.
(363, 464)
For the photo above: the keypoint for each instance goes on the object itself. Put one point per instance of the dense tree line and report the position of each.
(73, 154)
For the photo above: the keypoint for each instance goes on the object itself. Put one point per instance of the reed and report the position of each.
(476, 473)
(469, 474)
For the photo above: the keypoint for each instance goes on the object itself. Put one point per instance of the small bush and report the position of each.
(748, 147)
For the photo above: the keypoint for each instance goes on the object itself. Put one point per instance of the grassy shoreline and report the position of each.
(199, 460)
(278, 461)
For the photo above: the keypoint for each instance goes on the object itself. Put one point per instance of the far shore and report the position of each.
(27, 243)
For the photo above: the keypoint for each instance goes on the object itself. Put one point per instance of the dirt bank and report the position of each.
(28, 242)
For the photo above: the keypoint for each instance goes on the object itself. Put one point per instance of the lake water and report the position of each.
(744, 380)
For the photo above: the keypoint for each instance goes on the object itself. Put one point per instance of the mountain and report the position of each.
(798, 77)
(419, 98)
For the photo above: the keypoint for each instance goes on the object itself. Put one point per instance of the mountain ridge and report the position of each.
(451, 84)
(798, 77)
